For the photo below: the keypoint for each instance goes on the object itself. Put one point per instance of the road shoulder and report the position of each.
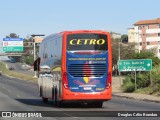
(116, 88)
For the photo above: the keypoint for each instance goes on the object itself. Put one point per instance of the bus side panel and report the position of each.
(109, 55)
(51, 55)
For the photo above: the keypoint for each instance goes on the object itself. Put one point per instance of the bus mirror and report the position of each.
(37, 64)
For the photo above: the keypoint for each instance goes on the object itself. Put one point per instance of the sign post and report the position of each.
(135, 81)
(135, 65)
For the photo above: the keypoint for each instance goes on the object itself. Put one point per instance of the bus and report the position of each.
(75, 66)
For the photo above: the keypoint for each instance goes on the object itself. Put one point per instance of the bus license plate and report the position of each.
(87, 88)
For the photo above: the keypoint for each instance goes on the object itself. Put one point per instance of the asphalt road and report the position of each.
(19, 67)
(20, 95)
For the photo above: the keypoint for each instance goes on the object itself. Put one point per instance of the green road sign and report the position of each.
(135, 65)
(13, 49)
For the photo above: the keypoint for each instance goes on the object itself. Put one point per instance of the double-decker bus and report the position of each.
(75, 66)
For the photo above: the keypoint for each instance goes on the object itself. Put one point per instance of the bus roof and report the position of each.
(56, 35)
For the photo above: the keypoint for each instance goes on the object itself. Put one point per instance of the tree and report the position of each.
(124, 38)
(115, 46)
(13, 35)
(146, 55)
(121, 50)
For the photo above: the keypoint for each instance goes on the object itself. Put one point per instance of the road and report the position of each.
(19, 67)
(20, 95)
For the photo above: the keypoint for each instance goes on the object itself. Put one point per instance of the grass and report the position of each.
(144, 90)
(148, 91)
(15, 74)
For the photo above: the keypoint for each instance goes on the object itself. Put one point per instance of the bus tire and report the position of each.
(57, 102)
(96, 104)
(99, 104)
(44, 100)
(40, 91)
(53, 93)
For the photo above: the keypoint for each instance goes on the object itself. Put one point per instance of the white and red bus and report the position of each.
(75, 66)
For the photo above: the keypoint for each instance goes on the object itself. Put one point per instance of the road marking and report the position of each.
(19, 96)
(69, 115)
(9, 91)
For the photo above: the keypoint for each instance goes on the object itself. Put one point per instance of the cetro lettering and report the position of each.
(87, 42)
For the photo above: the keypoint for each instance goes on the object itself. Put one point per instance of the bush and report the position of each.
(142, 80)
(128, 86)
(155, 89)
(155, 75)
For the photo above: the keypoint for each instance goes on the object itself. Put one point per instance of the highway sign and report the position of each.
(12, 44)
(13, 49)
(12, 39)
(135, 65)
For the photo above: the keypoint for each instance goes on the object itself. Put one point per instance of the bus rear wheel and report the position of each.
(97, 104)
(44, 100)
(57, 102)
(40, 91)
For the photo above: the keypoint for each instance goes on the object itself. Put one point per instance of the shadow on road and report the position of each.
(35, 102)
(50, 103)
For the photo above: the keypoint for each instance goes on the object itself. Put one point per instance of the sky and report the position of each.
(27, 17)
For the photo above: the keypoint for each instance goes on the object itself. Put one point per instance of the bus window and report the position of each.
(87, 42)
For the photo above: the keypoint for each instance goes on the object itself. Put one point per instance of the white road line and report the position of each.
(9, 91)
(19, 96)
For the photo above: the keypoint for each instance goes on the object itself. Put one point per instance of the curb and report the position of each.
(137, 98)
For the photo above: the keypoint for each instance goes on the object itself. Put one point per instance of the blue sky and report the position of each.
(25, 17)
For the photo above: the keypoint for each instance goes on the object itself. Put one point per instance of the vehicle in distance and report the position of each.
(11, 68)
(75, 66)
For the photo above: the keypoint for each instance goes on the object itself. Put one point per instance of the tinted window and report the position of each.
(87, 42)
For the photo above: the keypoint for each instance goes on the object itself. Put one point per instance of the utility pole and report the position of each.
(119, 58)
(119, 52)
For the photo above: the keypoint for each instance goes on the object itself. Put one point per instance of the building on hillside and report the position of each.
(146, 35)
(37, 41)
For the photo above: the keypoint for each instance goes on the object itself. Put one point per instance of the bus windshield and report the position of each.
(87, 42)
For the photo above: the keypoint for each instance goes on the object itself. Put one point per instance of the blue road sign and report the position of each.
(12, 39)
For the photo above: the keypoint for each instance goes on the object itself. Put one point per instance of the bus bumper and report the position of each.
(104, 95)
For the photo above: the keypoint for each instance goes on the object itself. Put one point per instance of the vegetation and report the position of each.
(12, 35)
(28, 59)
(28, 48)
(147, 82)
(122, 51)
(145, 55)
(124, 38)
